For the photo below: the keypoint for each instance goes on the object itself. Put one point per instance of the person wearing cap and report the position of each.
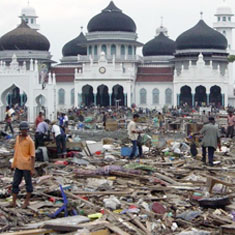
(23, 164)
(41, 132)
(210, 140)
(231, 124)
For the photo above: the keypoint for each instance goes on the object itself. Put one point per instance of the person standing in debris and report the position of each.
(231, 123)
(41, 133)
(210, 140)
(60, 139)
(39, 119)
(133, 135)
(104, 119)
(204, 117)
(161, 120)
(23, 163)
(8, 119)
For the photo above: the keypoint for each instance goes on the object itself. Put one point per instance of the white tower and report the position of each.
(29, 15)
(225, 24)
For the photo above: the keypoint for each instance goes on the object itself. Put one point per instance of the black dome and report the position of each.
(201, 36)
(160, 45)
(24, 38)
(77, 46)
(111, 19)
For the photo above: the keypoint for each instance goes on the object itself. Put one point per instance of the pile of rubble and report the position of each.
(97, 190)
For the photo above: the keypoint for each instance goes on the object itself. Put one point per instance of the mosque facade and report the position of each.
(102, 67)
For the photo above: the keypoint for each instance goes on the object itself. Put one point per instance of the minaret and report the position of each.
(28, 14)
(225, 24)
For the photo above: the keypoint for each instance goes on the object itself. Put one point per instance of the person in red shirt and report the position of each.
(39, 119)
(231, 124)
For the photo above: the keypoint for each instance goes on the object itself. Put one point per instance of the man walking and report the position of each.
(231, 123)
(23, 163)
(210, 141)
(133, 135)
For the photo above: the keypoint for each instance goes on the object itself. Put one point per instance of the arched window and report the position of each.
(129, 50)
(113, 50)
(61, 96)
(123, 50)
(168, 94)
(104, 49)
(72, 96)
(143, 96)
(155, 96)
(95, 50)
(224, 18)
(90, 50)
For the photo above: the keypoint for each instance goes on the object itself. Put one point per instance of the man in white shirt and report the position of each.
(60, 137)
(133, 135)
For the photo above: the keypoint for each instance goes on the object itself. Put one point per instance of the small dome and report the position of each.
(224, 9)
(28, 11)
(159, 46)
(24, 38)
(201, 36)
(77, 46)
(111, 19)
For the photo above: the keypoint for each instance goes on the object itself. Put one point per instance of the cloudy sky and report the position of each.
(60, 20)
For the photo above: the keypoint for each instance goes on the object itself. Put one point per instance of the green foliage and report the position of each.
(231, 58)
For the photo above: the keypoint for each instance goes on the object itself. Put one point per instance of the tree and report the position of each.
(231, 58)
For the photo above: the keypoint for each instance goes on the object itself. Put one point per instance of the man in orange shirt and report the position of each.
(23, 163)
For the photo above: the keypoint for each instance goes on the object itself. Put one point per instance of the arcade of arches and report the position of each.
(103, 97)
(200, 97)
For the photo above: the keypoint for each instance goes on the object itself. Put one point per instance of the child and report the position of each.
(23, 163)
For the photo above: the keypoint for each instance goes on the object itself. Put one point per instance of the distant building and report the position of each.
(102, 68)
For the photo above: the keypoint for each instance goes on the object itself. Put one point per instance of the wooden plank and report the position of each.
(31, 232)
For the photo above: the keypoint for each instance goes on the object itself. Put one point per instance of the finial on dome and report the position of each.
(161, 21)
(201, 13)
(81, 29)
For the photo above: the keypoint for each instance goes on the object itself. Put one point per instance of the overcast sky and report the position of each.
(60, 20)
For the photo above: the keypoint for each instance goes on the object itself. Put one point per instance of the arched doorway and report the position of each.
(41, 105)
(102, 96)
(186, 96)
(14, 97)
(87, 95)
(200, 96)
(118, 96)
(215, 96)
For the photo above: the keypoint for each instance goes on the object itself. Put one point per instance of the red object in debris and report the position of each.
(158, 181)
(102, 211)
(98, 152)
(132, 207)
(84, 198)
(52, 199)
(65, 163)
(158, 208)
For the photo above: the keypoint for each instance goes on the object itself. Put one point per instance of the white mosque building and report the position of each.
(102, 67)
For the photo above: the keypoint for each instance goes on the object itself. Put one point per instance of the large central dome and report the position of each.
(201, 36)
(111, 19)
